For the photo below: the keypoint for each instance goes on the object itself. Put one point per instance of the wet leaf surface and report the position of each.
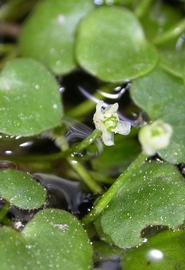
(107, 48)
(19, 189)
(161, 252)
(54, 239)
(49, 34)
(154, 195)
(161, 95)
(23, 110)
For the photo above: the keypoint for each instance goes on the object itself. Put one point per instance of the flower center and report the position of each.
(111, 122)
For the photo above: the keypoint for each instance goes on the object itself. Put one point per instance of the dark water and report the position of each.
(113, 264)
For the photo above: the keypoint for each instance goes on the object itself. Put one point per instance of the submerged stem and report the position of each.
(55, 156)
(87, 141)
(111, 192)
(143, 7)
(171, 34)
(4, 211)
(76, 165)
(13, 10)
(6, 48)
(85, 176)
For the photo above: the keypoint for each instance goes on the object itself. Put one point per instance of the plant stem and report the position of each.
(143, 7)
(15, 9)
(66, 150)
(86, 142)
(6, 48)
(4, 211)
(85, 176)
(171, 34)
(111, 192)
(77, 166)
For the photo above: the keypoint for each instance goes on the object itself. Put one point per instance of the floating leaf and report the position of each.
(163, 251)
(19, 189)
(111, 45)
(29, 98)
(154, 195)
(12, 247)
(161, 95)
(49, 34)
(54, 239)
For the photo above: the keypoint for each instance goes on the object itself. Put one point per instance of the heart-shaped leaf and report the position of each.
(19, 189)
(54, 239)
(111, 45)
(29, 98)
(154, 195)
(163, 251)
(161, 95)
(49, 34)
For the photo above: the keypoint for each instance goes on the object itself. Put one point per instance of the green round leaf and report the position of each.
(29, 98)
(161, 95)
(154, 195)
(19, 189)
(163, 251)
(111, 45)
(49, 34)
(12, 247)
(54, 239)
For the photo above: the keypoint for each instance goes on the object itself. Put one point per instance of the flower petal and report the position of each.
(123, 127)
(111, 109)
(107, 137)
(99, 106)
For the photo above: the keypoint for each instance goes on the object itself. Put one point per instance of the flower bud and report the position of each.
(155, 136)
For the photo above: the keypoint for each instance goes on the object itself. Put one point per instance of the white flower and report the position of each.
(155, 136)
(107, 120)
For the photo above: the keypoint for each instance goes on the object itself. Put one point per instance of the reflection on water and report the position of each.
(113, 264)
(65, 194)
(77, 131)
